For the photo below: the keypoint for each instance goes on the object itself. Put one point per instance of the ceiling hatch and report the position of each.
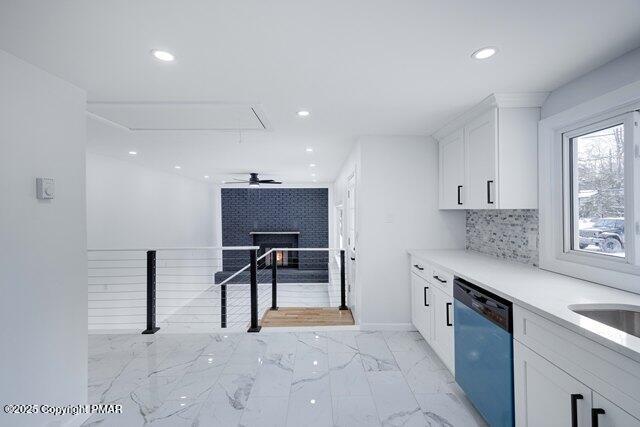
(141, 116)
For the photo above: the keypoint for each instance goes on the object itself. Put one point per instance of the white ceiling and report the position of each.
(361, 67)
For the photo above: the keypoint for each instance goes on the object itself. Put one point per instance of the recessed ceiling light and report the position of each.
(133, 153)
(163, 55)
(309, 150)
(484, 53)
(224, 182)
(177, 167)
(206, 177)
(313, 174)
(312, 165)
(303, 113)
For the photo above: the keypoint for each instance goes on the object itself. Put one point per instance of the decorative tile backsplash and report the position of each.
(504, 234)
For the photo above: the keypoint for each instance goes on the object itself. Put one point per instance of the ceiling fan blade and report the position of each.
(237, 182)
(240, 180)
(269, 181)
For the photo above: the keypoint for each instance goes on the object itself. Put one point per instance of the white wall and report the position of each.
(43, 267)
(397, 202)
(130, 206)
(620, 72)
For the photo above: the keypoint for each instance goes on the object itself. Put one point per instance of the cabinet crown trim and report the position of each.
(495, 100)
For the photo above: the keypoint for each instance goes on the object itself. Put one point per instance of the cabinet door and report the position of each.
(545, 395)
(481, 138)
(442, 340)
(421, 305)
(613, 416)
(452, 172)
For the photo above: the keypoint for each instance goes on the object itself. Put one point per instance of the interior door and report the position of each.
(351, 242)
(452, 172)
(545, 395)
(481, 139)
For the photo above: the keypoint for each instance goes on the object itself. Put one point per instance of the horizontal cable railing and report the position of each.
(206, 288)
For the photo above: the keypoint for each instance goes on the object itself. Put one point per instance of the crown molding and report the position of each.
(495, 100)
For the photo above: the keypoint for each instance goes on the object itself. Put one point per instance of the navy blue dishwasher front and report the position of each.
(484, 351)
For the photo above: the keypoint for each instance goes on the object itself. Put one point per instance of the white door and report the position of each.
(545, 395)
(452, 172)
(613, 416)
(421, 298)
(351, 242)
(481, 139)
(442, 339)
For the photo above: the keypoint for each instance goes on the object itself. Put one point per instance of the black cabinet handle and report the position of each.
(353, 258)
(439, 279)
(574, 409)
(425, 296)
(418, 267)
(448, 319)
(594, 416)
(459, 188)
(489, 192)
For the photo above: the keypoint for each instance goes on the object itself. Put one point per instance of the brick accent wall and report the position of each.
(276, 209)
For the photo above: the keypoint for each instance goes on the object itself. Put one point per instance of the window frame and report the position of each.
(618, 272)
(569, 201)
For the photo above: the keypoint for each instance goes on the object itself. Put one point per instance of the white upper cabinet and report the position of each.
(488, 156)
(481, 143)
(452, 169)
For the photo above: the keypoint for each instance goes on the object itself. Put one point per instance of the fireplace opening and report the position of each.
(269, 240)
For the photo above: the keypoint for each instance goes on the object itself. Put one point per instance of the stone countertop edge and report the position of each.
(543, 292)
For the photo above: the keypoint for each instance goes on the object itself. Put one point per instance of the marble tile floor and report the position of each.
(324, 378)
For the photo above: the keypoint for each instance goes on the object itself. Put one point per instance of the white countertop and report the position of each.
(542, 292)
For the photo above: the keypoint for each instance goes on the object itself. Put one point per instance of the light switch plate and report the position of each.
(45, 188)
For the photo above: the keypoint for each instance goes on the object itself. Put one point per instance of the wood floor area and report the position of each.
(306, 316)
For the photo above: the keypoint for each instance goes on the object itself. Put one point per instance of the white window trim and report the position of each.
(610, 271)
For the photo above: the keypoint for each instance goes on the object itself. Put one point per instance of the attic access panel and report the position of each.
(141, 116)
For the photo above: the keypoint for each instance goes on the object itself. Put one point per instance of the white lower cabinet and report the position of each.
(421, 311)
(545, 395)
(432, 309)
(442, 338)
(613, 416)
(564, 379)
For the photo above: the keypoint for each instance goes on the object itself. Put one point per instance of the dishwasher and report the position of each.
(484, 351)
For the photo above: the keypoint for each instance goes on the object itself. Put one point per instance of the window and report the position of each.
(596, 160)
(598, 197)
(589, 190)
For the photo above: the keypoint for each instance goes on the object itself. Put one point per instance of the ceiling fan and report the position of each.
(254, 181)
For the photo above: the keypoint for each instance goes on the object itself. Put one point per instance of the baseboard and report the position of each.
(387, 327)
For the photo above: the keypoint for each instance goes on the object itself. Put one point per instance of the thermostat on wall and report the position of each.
(45, 188)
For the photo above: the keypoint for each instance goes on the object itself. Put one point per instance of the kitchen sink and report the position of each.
(625, 318)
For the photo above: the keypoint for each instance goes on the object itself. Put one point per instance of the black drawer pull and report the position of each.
(574, 409)
(448, 319)
(425, 296)
(418, 267)
(594, 416)
(439, 279)
(459, 188)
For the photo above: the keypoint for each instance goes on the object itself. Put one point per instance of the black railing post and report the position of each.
(254, 292)
(151, 294)
(343, 290)
(274, 280)
(223, 306)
